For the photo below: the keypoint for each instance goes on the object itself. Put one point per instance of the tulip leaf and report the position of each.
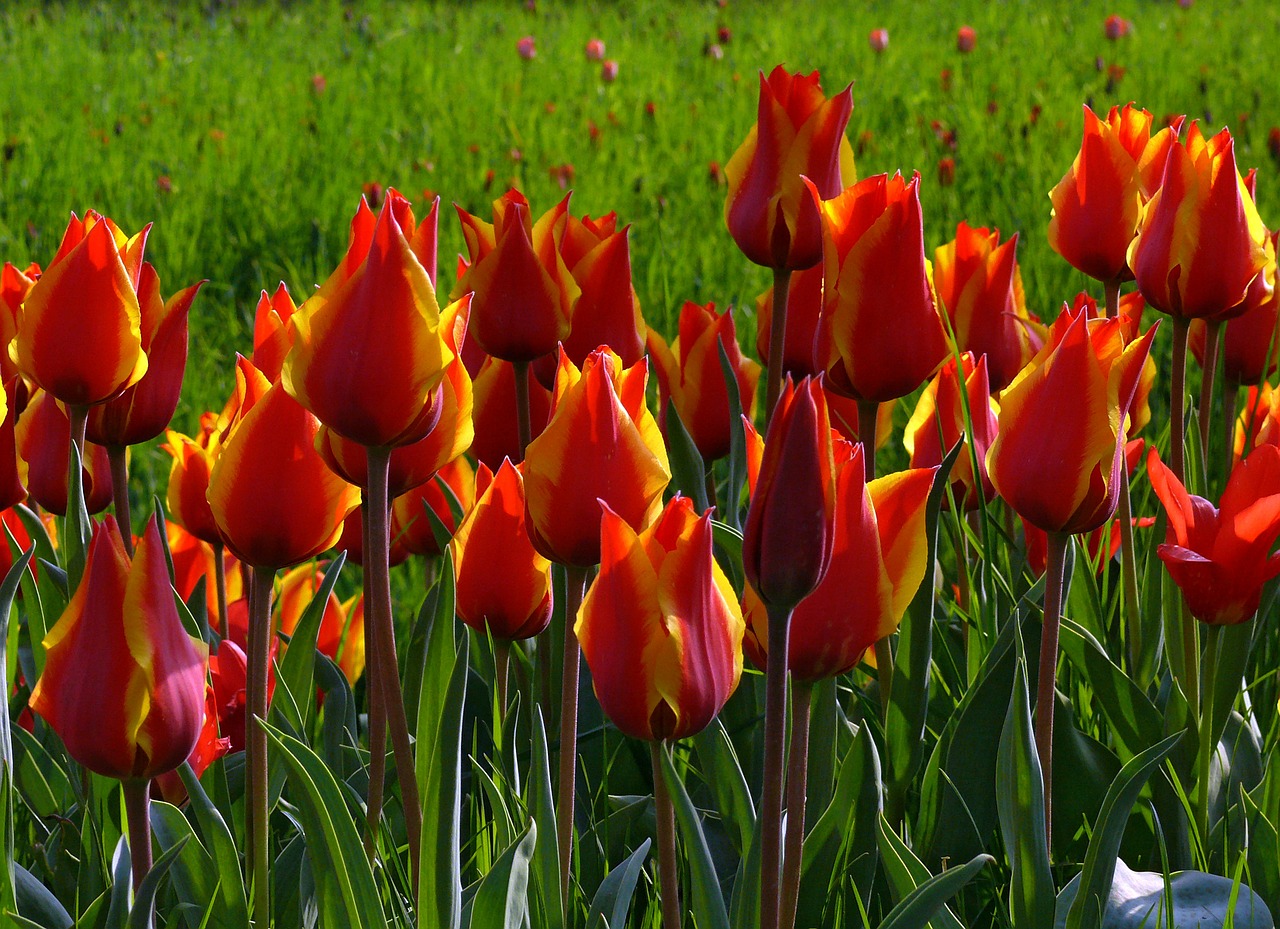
(920, 907)
(907, 874)
(502, 899)
(439, 772)
(8, 589)
(338, 733)
(1100, 860)
(719, 765)
(441, 531)
(77, 527)
(1020, 804)
(121, 870)
(546, 859)
(346, 892)
(706, 902)
(744, 903)
(909, 698)
(612, 903)
(1135, 721)
(842, 846)
(730, 507)
(37, 532)
(221, 843)
(193, 873)
(688, 470)
(37, 904)
(297, 668)
(144, 900)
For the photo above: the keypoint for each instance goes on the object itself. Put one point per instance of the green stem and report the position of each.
(777, 341)
(137, 807)
(1047, 684)
(387, 674)
(377, 710)
(577, 578)
(257, 809)
(797, 788)
(1208, 738)
(775, 757)
(668, 869)
(118, 456)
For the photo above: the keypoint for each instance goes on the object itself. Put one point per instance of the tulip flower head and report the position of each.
(609, 71)
(939, 422)
(527, 48)
(79, 330)
(602, 444)
(594, 50)
(15, 284)
(369, 348)
(1250, 349)
(272, 332)
(1058, 464)
(879, 309)
(798, 131)
(1097, 205)
(878, 39)
(966, 39)
(123, 683)
(1220, 557)
(41, 437)
(788, 536)
(660, 627)
(1201, 242)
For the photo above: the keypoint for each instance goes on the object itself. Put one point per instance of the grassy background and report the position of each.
(207, 120)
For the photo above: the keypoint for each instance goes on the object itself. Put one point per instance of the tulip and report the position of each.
(690, 376)
(527, 48)
(1259, 421)
(228, 674)
(798, 131)
(79, 330)
(524, 293)
(185, 499)
(12, 489)
(194, 560)
(662, 634)
(800, 351)
(340, 636)
(272, 332)
(602, 443)
(42, 436)
(123, 684)
(966, 39)
(1059, 466)
(786, 549)
(609, 71)
(878, 303)
(1098, 203)
(352, 540)
(980, 287)
(369, 349)
(497, 419)
(878, 39)
(595, 50)
(15, 284)
(1249, 351)
(410, 524)
(939, 422)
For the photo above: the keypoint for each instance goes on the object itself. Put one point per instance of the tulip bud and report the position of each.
(42, 436)
(939, 422)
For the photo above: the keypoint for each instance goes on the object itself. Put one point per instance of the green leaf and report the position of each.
(297, 668)
(38, 904)
(1134, 719)
(546, 859)
(1100, 861)
(346, 892)
(439, 772)
(688, 470)
(8, 588)
(907, 874)
(194, 874)
(1020, 802)
(145, 899)
(728, 542)
(612, 902)
(77, 528)
(705, 899)
(719, 765)
(919, 907)
(221, 844)
(729, 506)
(909, 698)
(121, 884)
(502, 899)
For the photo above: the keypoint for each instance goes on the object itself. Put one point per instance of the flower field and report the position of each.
(573, 466)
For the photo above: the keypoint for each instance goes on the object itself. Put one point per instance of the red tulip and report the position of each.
(878, 39)
(966, 39)
(42, 436)
(123, 683)
(800, 351)
(660, 627)
(79, 330)
(798, 131)
(341, 634)
(15, 284)
(411, 527)
(496, 434)
(272, 331)
(939, 422)
(1249, 347)
(1220, 557)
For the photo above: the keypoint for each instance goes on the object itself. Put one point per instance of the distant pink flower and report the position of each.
(609, 71)
(714, 51)
(1117, 27)
(527, 48)
(595, 50)
(723, 35)
(879, 40)
(1185, 4)
(966, 39)
(318, 83)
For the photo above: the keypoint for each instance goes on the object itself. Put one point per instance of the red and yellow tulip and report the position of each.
(938, 422)
(272, 331)
(42, 436)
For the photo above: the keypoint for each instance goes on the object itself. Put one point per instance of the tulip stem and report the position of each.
(1213, 329)
(777, 340)
(577, 587)
(137, 807)
(1177, 402)
(1208, 741)
(387, 674)
(868, 413)
(668, 871)
(775, 757)
(1053, 583)
(117, 455)
(797, 788)
(257, 810)
(524, 413)
(377, 713)
(220, 583)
